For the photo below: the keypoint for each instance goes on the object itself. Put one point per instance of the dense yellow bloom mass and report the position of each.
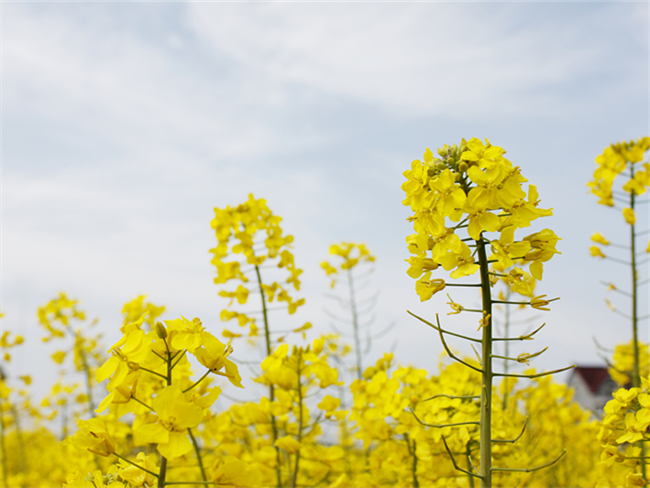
(160, 423)
(626, 422)
(475, 186)
(623, 362)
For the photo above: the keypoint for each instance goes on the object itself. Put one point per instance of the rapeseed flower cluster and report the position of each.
(630, 362)
(252, 230)
(624, 430)
(473, 187)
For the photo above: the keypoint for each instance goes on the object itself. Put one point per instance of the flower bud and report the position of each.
(160, 330)
(463, 166)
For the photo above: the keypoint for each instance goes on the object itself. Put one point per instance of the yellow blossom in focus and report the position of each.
(174, 416)
(426, 287)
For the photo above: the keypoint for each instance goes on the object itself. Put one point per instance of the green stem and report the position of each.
(64, 420)
(163, 460)
(267, 336)
(636, 374)
(294, 482)
(3, 448)
(486, 377)
(470, 466)
(414, 465)
(197, 450)
(78, 344)
(507, 348)
(21, 440)
(355, 323)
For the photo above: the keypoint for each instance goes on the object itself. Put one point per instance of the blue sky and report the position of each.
(125, 124)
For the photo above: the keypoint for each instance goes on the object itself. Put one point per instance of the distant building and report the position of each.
(593, 387)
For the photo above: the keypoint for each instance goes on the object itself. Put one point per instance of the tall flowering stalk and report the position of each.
(299, 374)
(625, 159)
(252, 230)
(351, 257)
(62, 316)
(6, 343)
(474, 188)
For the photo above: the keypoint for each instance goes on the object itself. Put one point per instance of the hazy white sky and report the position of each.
(125, 124)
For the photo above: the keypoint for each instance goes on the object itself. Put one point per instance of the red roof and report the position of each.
(593, 376)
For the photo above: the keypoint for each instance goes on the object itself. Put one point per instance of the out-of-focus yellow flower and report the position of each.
(597, 237)
(629, 215)
(596, 252)
(329, 404)
(59, 357)
(230, 471)
(93, 436)
(135, 476)
(288, 443)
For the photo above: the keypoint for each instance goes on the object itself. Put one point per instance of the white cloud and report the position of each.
(468, 59)
(132, 95)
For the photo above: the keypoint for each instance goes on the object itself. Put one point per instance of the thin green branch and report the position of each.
(530, 376)
(164, 359)
(453, 461)
(153, 372)
(442, 395)
(440, 426)
(197, 451)
(512, 441)
(441, 329)
(179, 359)
(137, 465)
(525, 337)
(451, 354)
(530, 470)
(522, 358)
(141, 403)
(197, 381)
(190, 483)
